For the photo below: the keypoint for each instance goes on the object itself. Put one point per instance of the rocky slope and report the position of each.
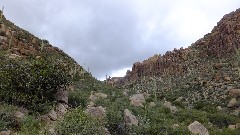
(187, 91)
(205, 71)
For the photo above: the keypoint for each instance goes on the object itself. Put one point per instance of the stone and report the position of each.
(175, 126)
(219, 108)
(168, 105)
(237, 125)
(98, 112)
(129, 118)
(19, 115)
(232, 127)
(107, 131)
(91, 104)
(62, 96)
(61, 108)
(152, 104)
(136, 103)
(234, 93)
(197, 128)
(232, 102)
(138, 97)
(53, 115)
(100, 95)
(92, 97)
(8, 132)
(179, 99)
(51, 131)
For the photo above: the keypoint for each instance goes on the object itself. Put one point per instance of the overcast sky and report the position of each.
(110, 35)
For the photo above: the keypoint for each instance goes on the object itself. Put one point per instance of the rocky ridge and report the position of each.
(205, 71)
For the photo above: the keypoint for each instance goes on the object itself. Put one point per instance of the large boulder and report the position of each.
(98, 112)
(62, 96)
(232, 102)
(235, 93)
(53, 115)
(8, 132)
(137, 100)
(129, 118)
(197, 129)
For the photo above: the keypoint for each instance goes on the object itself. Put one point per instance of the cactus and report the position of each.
(155, 88)
(1, 15)
(42, 45)
(10, 41)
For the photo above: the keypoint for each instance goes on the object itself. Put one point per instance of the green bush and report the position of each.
(205, 106)
(222, 120)
(7, 120)
(31, 84)
(78, 122)
(30, 126)
(78, 98)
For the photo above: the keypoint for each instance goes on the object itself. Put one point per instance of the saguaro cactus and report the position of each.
(1, 15)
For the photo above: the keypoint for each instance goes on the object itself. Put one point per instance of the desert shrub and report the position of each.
(205, 106)
(179, 104)
(187, 116)
(78, 122)
(78, 98)
(30, 126)
(31, 84)
(221, 120)
(7, 118)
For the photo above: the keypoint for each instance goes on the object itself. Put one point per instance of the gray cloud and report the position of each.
(108, 35)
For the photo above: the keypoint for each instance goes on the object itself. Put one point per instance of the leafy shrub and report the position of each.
(77, 98)
(30, 126)
(205, 106)
(31, 84)
(7, 118)
(221, 120)
(78, 122)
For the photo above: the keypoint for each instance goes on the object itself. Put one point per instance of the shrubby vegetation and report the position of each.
(78, 122)
(31, 84)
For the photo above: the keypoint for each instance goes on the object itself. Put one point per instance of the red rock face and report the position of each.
(222, 42)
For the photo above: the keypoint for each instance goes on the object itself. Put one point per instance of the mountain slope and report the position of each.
(209, 67)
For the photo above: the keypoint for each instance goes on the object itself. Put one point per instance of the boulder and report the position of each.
(136, 103)
(8, 132)
(179, 99)
(92, 97)
(19, 115)
(62, 96)
(61, 109)
(100, 95)
(232, 127)
(232, 102)
(235, 93)
(139, 97)
(137, 100)
(197, 129)
(168, 105)
(53, 115)
(98, 112)
(129, 118)
(152, 104)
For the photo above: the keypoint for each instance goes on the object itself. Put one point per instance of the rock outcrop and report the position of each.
(129, 118)
(197, 129)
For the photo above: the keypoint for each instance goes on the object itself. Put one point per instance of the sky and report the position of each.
(108, 36)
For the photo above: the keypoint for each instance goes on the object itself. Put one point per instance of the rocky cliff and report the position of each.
(211, 64)
(221, 43)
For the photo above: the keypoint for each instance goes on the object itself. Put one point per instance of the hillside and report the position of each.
(186, 91)
(209, 67)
